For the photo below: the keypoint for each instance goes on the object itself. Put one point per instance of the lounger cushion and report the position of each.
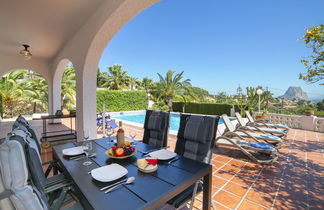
(33, 157)
(25, 126)
(14, 173)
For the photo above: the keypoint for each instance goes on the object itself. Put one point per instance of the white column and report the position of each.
(86, 85)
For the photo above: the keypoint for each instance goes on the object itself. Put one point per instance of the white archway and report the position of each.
(55, 99)
(87, 69)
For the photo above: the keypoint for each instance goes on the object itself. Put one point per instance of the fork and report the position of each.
(174, 159)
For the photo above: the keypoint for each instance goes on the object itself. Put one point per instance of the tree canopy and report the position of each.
(314, 39)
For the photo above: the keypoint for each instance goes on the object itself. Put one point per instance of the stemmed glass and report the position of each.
(132, 134)
(87, 148)
(109, 132)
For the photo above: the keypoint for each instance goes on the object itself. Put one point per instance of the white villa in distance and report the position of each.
(60, 32)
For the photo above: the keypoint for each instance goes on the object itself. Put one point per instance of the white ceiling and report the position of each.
(43, 24)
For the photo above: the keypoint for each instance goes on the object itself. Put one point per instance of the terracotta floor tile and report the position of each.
(242, 180)
(222, 158)
(218, 182)
(247, 205)
(287, 202)
(224, 174)
(260, 198)
(266, 186)
(236, 189)
(219, 206)
(237, 163)
(216, 165)
(227, 199)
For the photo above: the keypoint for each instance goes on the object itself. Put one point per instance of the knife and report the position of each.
(152, 150)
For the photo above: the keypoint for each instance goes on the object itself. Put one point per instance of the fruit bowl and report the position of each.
(110, 153)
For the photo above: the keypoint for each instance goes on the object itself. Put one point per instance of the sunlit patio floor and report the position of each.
(295, 181)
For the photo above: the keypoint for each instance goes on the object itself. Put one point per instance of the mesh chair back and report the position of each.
(156, 127)
(196, 136)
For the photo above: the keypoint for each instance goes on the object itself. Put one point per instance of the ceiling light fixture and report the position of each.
(25, 52)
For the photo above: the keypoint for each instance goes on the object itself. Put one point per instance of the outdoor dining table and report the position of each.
(149, 191)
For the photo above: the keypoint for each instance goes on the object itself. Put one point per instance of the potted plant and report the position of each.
(261, 115)
(309, 112)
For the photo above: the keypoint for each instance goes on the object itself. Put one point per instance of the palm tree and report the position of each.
(147, 84)
(68, 88)
(102, 79)
(132, 82)
(36, 90)
(118, 78)
(173, 85)
(11, 90)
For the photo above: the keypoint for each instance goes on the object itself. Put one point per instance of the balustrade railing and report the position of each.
(293, 121)
(298, 121)
(319, 124)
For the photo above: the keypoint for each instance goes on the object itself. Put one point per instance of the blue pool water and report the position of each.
(140, 118)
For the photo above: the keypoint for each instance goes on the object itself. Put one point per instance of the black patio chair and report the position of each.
(156, 128)
(195, 140)
(22, 124)
(22, 182)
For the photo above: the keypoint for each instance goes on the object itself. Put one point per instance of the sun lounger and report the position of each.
(268, 138)
(263, 123)
(267, 151)
(243, 126)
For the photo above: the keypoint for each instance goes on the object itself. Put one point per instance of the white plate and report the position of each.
(109, 173)
(163, 154)
(73, 151)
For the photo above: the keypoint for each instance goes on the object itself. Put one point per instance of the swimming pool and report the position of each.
(139, 117)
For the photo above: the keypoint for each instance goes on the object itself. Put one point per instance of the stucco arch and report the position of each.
(85, 49)
(10, 63)
(55, 96)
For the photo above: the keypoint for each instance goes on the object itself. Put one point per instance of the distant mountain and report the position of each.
(295, 92)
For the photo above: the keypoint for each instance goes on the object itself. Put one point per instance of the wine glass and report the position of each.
(132, 134)
(109, 132)
(87, 148)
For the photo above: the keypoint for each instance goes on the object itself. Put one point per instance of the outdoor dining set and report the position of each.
(135, 175)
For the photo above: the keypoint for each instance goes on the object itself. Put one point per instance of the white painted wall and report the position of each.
(84, 49)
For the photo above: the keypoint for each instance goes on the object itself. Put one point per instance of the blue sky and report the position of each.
(220, 44)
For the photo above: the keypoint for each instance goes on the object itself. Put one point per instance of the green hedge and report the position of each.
(319, 113)
(204, 108)
(118, 100)
(1, 107)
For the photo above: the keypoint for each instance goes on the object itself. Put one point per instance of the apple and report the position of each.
(119, 152)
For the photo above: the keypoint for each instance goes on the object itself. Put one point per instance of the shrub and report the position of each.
(319, 113)
(1, 107)
(204, 108)
(118, 100)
